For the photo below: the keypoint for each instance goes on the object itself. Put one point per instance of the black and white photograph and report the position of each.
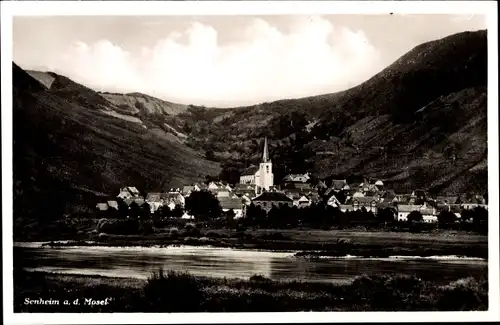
(196, 158)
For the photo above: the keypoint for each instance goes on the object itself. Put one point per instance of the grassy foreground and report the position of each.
(181, 292)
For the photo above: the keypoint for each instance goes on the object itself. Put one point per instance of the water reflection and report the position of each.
(140, 262)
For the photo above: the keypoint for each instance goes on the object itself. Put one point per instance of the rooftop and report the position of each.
(273, 196)
(231, 203)
(364, 199)
(250, 171)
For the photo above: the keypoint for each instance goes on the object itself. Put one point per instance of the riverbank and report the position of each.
(160, 293)
(310, 243)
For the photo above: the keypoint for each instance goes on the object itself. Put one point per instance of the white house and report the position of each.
(302, 202)
(470, 206)
(128, 193)
(346, 207)
(367, 202)
(187, 216)
(212, 186)
(358, 194)
(188, 189)
(430, 218)
(171, 199)
(154, 200)
(235, 204)
(428, 213)
(333, 202)
(269, 199)
(113, 204)
(296, 178)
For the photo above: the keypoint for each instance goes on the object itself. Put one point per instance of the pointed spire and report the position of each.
(265, 156)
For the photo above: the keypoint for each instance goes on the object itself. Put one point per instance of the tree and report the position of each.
(230, 175)
(203, 205)
(256, 215)
(341, 196)
(445, 217)
(230, 217)
(386, 214)
(209, 154)
(177, 212)
(134, 210)
(145, 211)
(274, 216)
(480, 216)
(123, 209)
(415, 216)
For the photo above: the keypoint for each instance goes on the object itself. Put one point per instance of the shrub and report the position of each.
(464, 294)
(343, 241)
(173, 292)
(174, 232)
(261, 282)
(415, 216)
(101, 223)
(145, 227)
(404, 283)
(213, 234)
(192, 232)
(274, 236)
(242, 235)
(259, 278)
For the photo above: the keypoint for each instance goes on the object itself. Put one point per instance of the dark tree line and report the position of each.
(319, 215)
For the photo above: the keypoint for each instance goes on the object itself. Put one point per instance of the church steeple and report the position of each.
(264, 179)
(265, 156)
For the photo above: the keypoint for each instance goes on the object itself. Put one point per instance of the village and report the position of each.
(257, 188)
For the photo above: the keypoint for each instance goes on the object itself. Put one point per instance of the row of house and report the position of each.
(297, 190)
(372, 196)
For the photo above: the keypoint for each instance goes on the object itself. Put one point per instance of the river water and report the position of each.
(139, 262)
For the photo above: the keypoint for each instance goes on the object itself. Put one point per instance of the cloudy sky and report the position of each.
(226, 60)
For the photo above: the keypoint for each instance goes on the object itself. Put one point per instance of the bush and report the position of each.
(273, 236)
(343, 241)
(173, 232)
(261, 282)
(259, 278)
(192, 232)
(464, 294)
(383, 292)
(242, 235)
(146, 227)
(101, 223)
(173, 292)
(213, 234)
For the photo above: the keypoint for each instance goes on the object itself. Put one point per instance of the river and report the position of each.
(139, 262)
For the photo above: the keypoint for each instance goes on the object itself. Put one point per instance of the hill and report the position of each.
(137, 103)
(421, 122)
(71, 146)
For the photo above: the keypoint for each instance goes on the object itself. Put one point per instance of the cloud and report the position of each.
(191, 66)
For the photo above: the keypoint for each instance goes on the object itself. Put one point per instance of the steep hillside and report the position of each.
(421, 122)
(68, 149)
(135, 103)
(45, 78)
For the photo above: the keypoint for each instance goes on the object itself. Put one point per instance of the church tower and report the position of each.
(266, 179)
